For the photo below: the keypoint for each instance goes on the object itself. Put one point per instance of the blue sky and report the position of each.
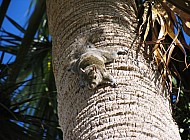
(19, 11)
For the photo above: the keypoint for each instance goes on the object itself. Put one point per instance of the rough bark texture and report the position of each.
(137, 108)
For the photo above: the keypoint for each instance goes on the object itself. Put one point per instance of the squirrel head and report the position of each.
(92, 76)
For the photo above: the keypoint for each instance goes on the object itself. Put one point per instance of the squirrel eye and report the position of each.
(94, 76)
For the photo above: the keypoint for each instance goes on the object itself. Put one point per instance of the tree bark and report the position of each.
(138, 108)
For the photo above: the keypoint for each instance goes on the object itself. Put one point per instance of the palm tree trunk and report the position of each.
(138, 107)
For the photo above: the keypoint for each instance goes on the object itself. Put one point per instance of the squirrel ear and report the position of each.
(82, 70)
(94, 67)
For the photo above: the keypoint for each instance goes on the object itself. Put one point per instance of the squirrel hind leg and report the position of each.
(110, 57)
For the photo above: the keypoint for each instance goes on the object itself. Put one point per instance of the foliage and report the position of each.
(28, 107)
(164, 27)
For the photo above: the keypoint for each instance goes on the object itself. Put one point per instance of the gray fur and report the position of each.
(89, 64)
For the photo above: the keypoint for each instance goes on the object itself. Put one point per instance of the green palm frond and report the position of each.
(3, 10)
(28, 106)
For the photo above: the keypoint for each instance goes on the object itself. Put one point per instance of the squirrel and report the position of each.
(89, 64)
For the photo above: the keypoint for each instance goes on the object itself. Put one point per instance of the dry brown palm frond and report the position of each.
(160, 22)
(181, 8)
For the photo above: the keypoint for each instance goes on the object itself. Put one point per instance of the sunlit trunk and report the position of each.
(138, 107)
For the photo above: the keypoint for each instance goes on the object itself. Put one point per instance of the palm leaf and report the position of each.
(163, 28)
(20, 28)
(3, 10)
(30, 105)
(162, 14)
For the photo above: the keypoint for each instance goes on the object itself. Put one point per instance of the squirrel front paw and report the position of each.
(114, 85)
